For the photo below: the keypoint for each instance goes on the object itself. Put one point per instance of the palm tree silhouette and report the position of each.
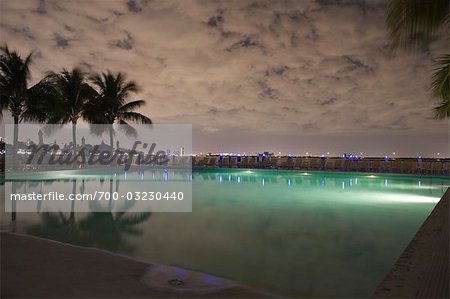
(111, 106)
(24, 103)
(412, 24)
(73, 97)
(59, 227)
(107, 230)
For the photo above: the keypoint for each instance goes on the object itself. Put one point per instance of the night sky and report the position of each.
(289, 76)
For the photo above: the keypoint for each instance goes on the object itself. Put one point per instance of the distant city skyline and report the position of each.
(314, 146)
(250, 76)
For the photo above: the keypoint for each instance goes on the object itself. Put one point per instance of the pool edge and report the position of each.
(422, 270)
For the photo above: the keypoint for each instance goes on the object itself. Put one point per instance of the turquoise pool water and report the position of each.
(298, 234)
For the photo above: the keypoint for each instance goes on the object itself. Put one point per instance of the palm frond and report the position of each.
(440, 84)
(413, 23)
(125, 127)
(135, 117)
(100, 129)
(443, 110)
(440, 87)
(130, 106)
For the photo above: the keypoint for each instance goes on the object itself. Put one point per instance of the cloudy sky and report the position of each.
(289, 76)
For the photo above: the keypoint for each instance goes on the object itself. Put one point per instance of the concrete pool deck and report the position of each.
(32, 267)
(422, 271)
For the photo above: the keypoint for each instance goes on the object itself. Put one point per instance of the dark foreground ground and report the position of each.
(37, 268)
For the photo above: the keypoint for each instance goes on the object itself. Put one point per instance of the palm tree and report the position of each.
(412, 24)
(111, 106)
(74, 95)
(24, 103)
(14, 76)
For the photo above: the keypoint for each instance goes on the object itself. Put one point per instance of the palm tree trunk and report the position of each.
(14, 188)
(72, 207)
(74, 134)
(110, 194)
(15, 142)
(14, 164)
(74, 141)
(111, 139)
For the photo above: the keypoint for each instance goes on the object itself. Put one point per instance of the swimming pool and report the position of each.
(298, 234)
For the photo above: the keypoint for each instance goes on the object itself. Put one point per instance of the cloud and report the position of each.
(133, 6)
(327, 101)
(246, 42)
(126, 43)
(284, 67)
(61, 41)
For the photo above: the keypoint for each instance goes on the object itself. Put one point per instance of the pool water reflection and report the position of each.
(297, 234)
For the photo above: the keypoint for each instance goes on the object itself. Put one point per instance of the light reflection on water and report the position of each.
(293, 233)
